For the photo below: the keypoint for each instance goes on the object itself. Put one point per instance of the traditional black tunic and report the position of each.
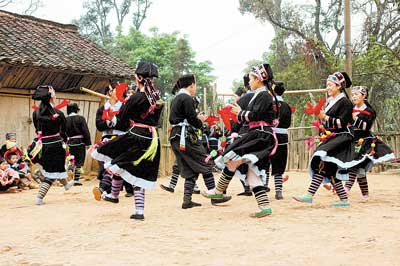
(52, 156)
(191, 160)
(279, 160)
(337, 150)
(364, 138)
(260, 141)
(242, 127)
(78, 137)
(120, 154)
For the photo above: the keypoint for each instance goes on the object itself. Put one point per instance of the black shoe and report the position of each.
(278, 195)
(219, 201)
(245, 193)
(169, 189)
(113, 200)
(191, 204)
(196, 191)
(77, 183)
(137, 216)
(128, 195)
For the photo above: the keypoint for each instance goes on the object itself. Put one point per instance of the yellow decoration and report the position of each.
(373, 145)
(152, 150)
(328, 132)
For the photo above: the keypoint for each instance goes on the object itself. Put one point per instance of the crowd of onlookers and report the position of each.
(15, 173)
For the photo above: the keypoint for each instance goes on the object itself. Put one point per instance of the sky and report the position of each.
(216, 30)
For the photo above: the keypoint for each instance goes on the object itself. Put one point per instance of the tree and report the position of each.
(121, 10)
(94, 24)
(33, 6)
(4, 3)
(171, 52)
(140, 13)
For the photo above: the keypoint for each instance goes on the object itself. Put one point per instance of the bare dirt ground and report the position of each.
(74, 229)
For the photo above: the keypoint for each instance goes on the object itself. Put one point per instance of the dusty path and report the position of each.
(73, 229)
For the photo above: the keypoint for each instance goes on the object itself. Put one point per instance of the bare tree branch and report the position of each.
(34, 5)
(141, 12)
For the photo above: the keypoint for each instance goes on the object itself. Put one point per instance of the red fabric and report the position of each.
(62, 104)
(292, 110)
(120, 90)
(211, 120)
(108, 114)
(227, 116)
(361, 112)
(315, 110)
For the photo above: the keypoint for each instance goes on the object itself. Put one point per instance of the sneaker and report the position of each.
(245, 193)
(191, 204)
(327, 186)
(137, 216)
(364, 198)
(68, 185)
(39, 201)
(110, 199)
(97, 193)
(221, 200)
(285, 178)
(128, 195)
(278, 195)
(77, 183)
(196, 191)
(261, 213)
(169, 189)
(307, 198)
(212, 196)
(341, 203)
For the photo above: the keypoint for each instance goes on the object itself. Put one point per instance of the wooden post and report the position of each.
(205, 99)
(347, 40)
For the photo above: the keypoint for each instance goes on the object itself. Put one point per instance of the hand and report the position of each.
(201, 117)
(322, 115)
(235, 109)
(355, 116)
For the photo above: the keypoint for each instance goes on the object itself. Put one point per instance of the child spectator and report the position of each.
(22, 169)
(8, 178)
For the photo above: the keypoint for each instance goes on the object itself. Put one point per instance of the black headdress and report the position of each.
(146, 69)
(72, 108)
(279, 88)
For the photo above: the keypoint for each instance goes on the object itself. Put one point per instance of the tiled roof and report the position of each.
(29, 41)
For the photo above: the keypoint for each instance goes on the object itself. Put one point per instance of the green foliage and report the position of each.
(171, 52)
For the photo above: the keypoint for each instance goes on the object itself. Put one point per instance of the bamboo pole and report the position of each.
(94, 93)
(286, 92)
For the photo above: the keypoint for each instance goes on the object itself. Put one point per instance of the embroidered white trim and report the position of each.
(332, 101)
(256, 92)
(54, 175)
(279, 130)
(100, 157)
(134, 180)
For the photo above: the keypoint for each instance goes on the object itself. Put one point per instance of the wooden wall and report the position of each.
(16, 114)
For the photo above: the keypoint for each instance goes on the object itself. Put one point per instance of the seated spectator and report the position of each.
(22, 169)
(8, 178)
